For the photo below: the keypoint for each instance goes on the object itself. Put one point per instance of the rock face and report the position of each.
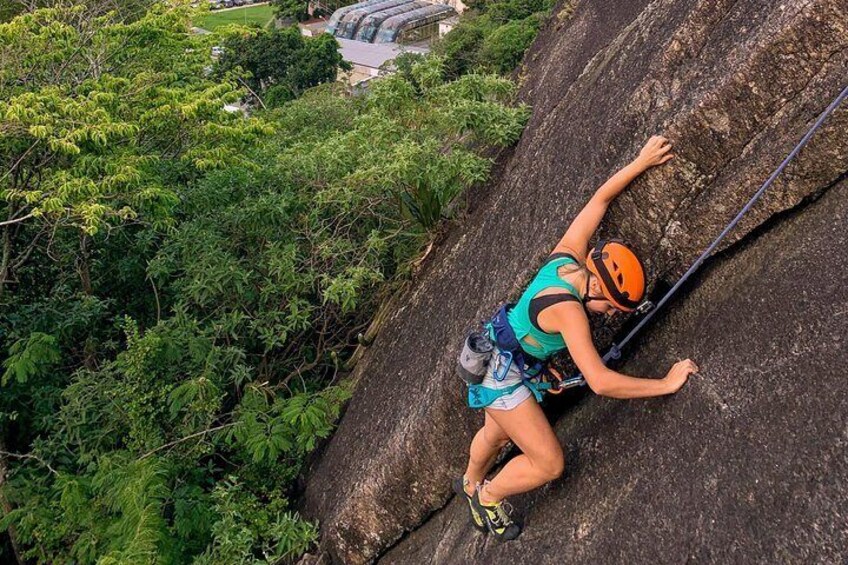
(734, 85)
(747, 463)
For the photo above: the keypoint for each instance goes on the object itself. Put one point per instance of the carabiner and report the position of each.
(496, 373)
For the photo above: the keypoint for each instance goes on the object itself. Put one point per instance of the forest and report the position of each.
(183, 284)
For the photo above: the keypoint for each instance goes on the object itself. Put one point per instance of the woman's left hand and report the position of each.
(656, 152)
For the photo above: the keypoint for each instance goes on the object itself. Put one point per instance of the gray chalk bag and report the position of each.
(474, 359)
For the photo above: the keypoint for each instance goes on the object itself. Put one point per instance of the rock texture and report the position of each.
(734, 84)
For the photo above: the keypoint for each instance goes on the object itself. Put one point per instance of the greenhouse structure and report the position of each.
(388, 21)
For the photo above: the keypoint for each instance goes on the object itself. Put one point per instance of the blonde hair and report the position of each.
(570, 268)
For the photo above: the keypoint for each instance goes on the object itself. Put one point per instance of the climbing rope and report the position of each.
(614, 351)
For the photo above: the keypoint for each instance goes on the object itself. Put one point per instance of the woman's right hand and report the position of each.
(678, 374)
(655, 152)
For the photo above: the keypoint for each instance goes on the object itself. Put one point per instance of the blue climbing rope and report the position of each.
(614, 351)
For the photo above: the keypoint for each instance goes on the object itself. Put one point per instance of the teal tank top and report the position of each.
(519, 316)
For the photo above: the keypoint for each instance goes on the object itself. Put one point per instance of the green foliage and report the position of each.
(135, 492)
(304, 241)
(185, 288)
(100, 129)
(502, 50)
(492, 36)
(506, 11)
(9, 10)
(291, 9)
(30, 357)
(292, 425)
(127, 10)
(460, 47)
(278, 65)
(139, 427)
(246, 522)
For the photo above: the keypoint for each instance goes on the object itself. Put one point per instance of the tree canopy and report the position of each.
(183, 286)
(296, 10)
(278, 65)
(492, 35)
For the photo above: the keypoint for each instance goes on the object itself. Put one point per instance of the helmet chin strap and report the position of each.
(588, 298)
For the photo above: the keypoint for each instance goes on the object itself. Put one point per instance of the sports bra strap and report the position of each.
(560, 255)
(541, 302)
(525, 324)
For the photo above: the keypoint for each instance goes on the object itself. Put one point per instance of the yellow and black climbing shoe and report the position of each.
(497, 518)
(459, 489)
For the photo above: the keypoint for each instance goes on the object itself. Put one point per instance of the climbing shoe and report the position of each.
(459, 489)
(496, 517)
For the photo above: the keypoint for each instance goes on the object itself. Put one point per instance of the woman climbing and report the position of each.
(550, 316)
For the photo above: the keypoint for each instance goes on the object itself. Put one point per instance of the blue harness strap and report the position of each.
(480, 396)
(502, 334)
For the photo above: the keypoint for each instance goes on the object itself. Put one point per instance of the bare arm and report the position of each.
(572, 323)
(576, 239)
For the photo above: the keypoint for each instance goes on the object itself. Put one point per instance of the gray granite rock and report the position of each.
(748, 463)
(734, 85)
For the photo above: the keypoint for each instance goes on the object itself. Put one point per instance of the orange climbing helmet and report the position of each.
(619, 272)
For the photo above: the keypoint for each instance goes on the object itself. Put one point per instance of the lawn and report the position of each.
(246, 15)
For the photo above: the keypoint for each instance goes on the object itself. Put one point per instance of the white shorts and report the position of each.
(513, 399)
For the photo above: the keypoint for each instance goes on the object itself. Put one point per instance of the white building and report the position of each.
(447, 25)
(367, 58)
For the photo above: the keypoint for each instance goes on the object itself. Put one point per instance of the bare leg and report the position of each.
(485, 447)
(541, 461)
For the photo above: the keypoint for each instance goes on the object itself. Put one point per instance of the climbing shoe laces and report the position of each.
(503, 510)
(497, 517)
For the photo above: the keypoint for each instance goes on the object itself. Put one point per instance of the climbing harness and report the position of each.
(614, 351)
(501, 334)
(511, 324)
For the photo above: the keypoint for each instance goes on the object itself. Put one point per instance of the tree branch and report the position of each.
(253, 93)
(30, 456)
(156, 295)
(319, 352)
(7, 507)
(18, 162)
(16, 220)
(186, 438)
